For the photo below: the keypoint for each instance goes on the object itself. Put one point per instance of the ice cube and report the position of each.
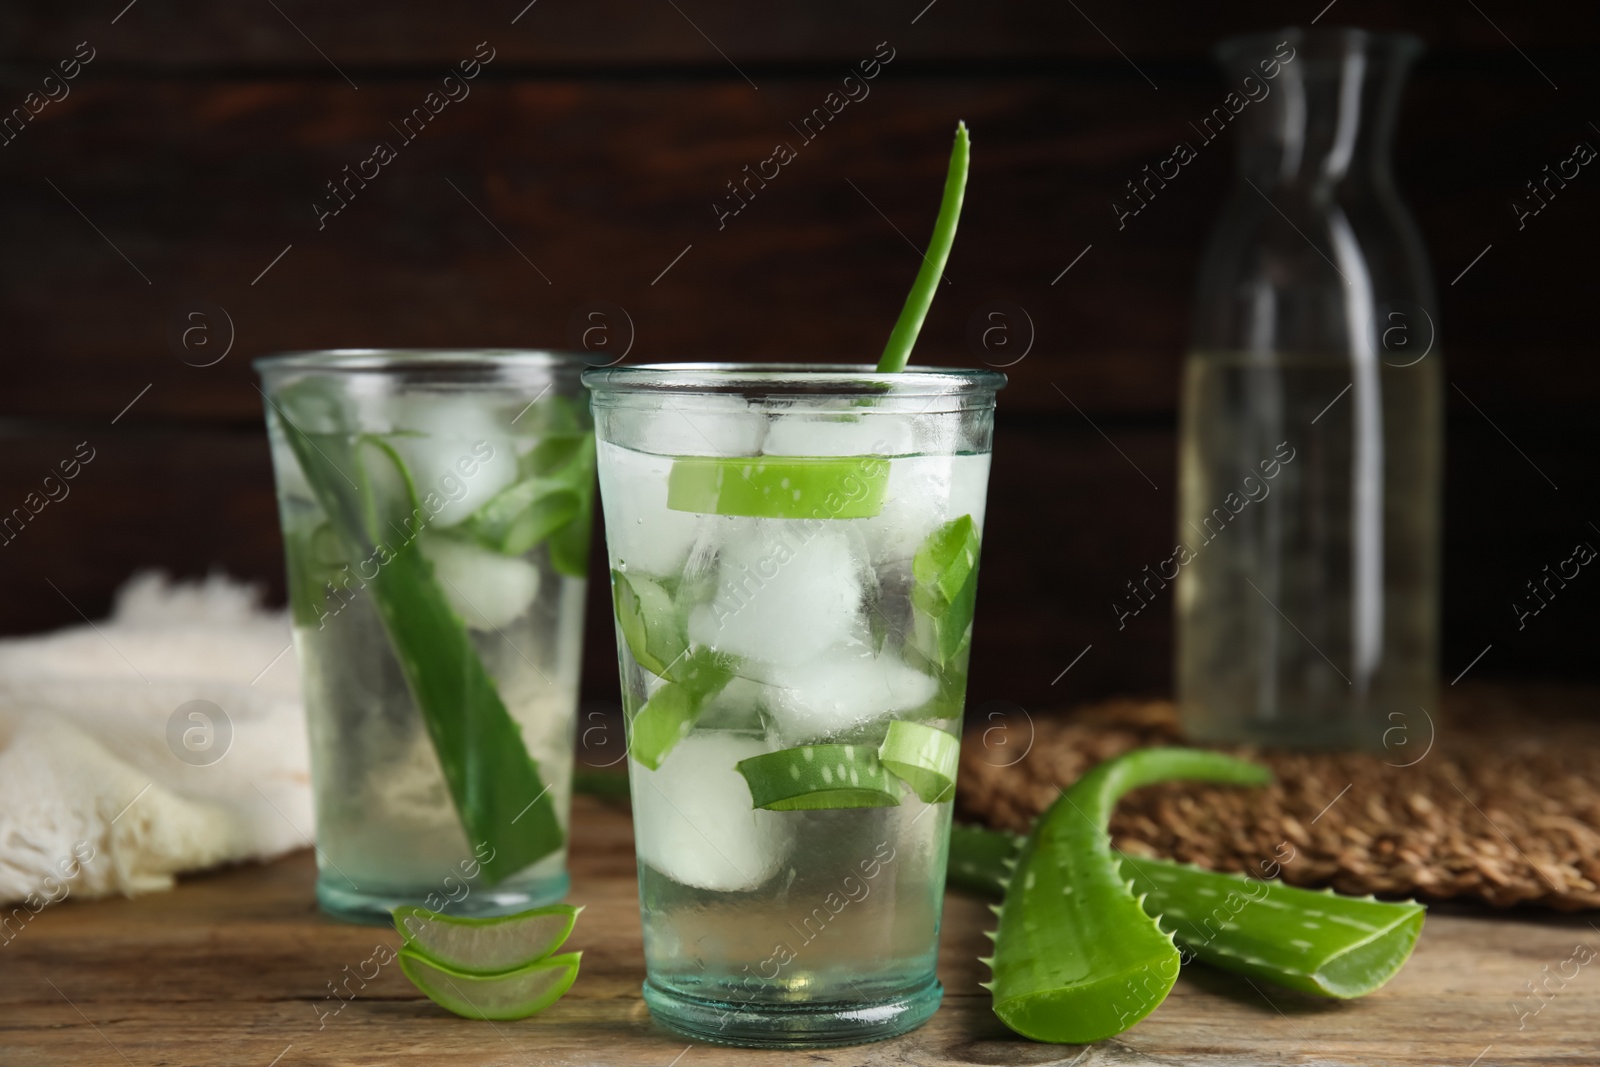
(487, 590)
(641, 533)
(969, 485)
(786, 590)
(844, 433)
(916, 502)
(693, 819)
(841, 691)
(457, 457)
(699, 426)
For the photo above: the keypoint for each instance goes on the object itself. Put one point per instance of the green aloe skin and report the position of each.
(1315, 942)
(904, 335)
(1076, 958)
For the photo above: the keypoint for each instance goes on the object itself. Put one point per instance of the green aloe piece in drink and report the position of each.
(923, 757)
(779, 487)
(945, 573)
(499, 795)
(817, 777)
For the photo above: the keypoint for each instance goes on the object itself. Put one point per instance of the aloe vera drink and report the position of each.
(793, 556)
(435, 509)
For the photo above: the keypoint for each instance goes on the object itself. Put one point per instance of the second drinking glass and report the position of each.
(794, 555)
(435, 510)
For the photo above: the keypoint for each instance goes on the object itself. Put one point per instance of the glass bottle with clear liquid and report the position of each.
(1307, 563)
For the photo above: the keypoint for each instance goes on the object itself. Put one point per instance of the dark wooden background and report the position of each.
(189, 152)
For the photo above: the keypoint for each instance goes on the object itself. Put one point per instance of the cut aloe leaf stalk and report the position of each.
(779, 487)
(485, 946)
(923, 757)
(569, 545)
(502, 802)
(1076, 958)
(945, 590)
(1317, 942)
(666, 718)
(525, 514)
(904, 336)
(649, 622)
(981, 860)
(514, 994)
(814, 777)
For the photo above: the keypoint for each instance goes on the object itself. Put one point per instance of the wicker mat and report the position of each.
(1503, 807)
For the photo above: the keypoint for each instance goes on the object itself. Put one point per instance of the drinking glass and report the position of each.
(794, 554)
(435, 509)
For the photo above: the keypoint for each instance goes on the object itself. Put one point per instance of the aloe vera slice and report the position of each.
(923, 757)
(649, 622)
(496, 787)
(525, 514)
(909, 324)
(666, 718)
(779, 487)
(1317, 942)
(815, 777)
(489, 945)
(1076, 958)
(509, 995)
(569, 545)
(945, 590)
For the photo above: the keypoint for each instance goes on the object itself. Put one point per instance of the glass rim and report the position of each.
(1403, 44)
(380, 360)
(794, 379)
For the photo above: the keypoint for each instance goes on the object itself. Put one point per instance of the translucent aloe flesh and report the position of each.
(1076, 958)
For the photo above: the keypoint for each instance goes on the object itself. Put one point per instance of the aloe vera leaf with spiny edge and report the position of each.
(495, 784)
(1076, 958)
(1353, 947)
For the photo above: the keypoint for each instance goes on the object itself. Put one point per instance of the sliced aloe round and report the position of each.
(488, 945)
(649, 622)
(923, 757)
(779, 487)
(815, 777)
(513, 994)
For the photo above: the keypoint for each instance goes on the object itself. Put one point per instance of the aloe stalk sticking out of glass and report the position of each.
(904, 336)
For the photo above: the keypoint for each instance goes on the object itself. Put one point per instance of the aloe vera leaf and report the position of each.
(1250, 927)
(569, 545)
(904, 335)
(521, 516)
(1076, 958)
(496, 787)
(1317, 942)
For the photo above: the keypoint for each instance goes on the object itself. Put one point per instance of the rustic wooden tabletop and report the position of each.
(234, 968)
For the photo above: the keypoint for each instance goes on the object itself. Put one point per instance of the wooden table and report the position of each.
(234, 968)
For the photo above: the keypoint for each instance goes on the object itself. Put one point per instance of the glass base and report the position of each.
(338, 899)
(792, 1026)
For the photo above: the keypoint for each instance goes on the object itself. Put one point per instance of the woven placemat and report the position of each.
(1495, 797)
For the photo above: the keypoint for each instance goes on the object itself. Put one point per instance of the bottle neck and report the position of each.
(1319, 108)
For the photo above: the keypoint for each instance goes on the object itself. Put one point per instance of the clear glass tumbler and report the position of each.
(435, 509)
(794, 555)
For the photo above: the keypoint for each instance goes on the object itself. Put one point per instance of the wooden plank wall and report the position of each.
(183, 161)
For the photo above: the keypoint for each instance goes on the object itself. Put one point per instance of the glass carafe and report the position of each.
(1307, 563)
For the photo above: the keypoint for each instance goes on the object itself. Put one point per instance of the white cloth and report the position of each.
(97, 760)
